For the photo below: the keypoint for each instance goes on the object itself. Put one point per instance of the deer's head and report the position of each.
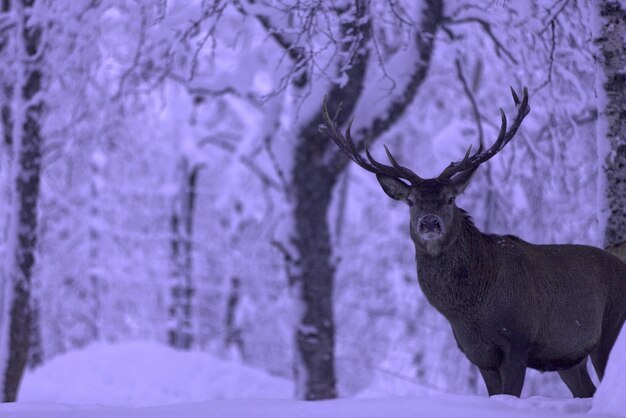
(431, 201)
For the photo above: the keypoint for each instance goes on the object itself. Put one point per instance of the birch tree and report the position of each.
(25, 47)
(33, 35)
(180, 334)
(609, 27)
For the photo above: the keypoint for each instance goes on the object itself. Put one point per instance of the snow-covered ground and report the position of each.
(437, 406)
(145, 379)
(144, 374)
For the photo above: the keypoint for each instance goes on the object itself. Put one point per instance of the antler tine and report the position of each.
(504, 136)
(396, 170)
(514, 93)
(408, 174)
(354, 153)
(346, 145)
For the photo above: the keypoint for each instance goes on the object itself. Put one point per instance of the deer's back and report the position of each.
(568, 270)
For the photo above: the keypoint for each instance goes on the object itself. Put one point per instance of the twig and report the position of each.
(244, 160)
(93, 5)
(274, 161)
(265, 179)
(451, 35)
(381, 64)
(472, 100)
(553, 16)
(215, 11)
(551, 56)
(137, 57)
(294, 52)
(287, 257)
(406, 19)
(487, 29)
(302, 59)
(161, 10)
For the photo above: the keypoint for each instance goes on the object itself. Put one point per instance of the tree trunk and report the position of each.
(96, 280)
(180, 334)
(610, 38)
(175, 334)
(315, 334)
(313, 179)
(233, 336)
(317, 164)
(27, 134)
(314, 176)
(35, 351)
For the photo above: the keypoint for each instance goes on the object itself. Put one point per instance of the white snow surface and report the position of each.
(143, 374)
(146, 379)
(611, 395)
(437, 406)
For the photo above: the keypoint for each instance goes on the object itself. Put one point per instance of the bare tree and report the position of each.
(26, 42)
(610, 38)
(317, 165)
(180, 333)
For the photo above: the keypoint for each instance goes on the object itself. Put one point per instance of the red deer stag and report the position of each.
(511, 304)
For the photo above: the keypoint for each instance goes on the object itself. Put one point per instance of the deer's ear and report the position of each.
(395, 188)
(462, 179)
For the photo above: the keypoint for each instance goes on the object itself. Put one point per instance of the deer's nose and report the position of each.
(430, 224)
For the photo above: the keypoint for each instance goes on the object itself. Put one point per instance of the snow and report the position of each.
(146, 379)
(143, 374)
(438, 406)
(611, 395)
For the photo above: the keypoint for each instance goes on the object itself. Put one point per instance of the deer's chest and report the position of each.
(447, 284)
(451, 293)
(477, 347)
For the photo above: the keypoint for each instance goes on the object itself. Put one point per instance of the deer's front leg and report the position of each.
(513, 370)
(493, 381)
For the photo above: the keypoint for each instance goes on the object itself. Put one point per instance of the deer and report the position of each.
(511, 304)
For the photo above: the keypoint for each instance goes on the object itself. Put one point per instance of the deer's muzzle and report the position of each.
(430, 227)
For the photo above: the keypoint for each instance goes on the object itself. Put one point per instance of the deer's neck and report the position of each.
(450, 278)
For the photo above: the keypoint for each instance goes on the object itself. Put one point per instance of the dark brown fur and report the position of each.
(512, 305)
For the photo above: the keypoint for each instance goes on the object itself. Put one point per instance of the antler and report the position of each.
(347, 146)
(469, 162)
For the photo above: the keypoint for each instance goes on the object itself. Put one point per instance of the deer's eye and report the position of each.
(409, 202)
(451, 200)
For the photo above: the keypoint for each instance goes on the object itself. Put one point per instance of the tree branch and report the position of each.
(553, 14)
(359, 30)
(500, 48)
(245, 160)
(267, 143)
(137, 57)
(295, 52)
(288, 258)
(431, 19)
(472, 100)
(548, 80)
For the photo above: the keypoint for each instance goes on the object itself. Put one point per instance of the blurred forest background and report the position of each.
(162, 175)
